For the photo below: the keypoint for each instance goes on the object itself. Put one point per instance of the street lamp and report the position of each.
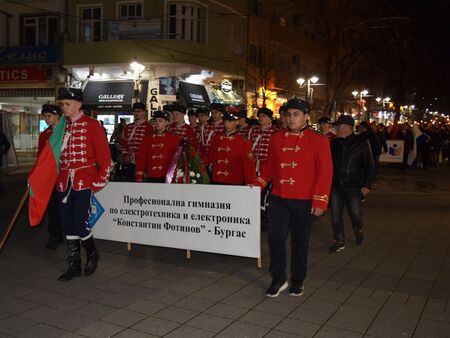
(361, 102)
(137, 69)
(308, 82)
(383, 100)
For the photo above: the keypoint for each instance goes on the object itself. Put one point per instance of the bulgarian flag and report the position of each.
(42, 178)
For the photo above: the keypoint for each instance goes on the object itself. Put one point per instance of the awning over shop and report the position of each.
(193, 96)
(28, 92)
(112, 96)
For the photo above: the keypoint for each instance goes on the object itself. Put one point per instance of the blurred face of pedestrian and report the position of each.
(202, 118)
(344, 130)
(70, 107)
(216, 115)
(264, 120)
(296, 119)
(177, 116)
(241, 122)
(362, 129)
(161, 124)
(192, 120)
(51, 119)
(324, 127)
(139, 114)
(230, 126)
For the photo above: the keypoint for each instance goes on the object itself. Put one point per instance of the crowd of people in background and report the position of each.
(426, 144)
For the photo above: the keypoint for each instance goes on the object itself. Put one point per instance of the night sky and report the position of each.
(431, 20)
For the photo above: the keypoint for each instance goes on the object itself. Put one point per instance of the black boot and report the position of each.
(91, 256)
(74, 260)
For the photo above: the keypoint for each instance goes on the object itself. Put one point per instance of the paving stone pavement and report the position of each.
(396, 284)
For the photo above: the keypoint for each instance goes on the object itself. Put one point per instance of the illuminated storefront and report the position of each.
(29, 77)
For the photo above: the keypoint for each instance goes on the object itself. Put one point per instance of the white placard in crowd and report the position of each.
(210, 218)
(394, 154)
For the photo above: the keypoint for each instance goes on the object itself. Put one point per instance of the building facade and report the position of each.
(196, 42)
(30, 66)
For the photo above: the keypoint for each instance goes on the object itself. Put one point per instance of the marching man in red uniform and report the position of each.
(132, 137)
(52, 115)
(180, 127)
(243, 127)
(156, 151)
(325, 127)
(84, 169)
(214, 127)
(231, 155)
(260, 137)
(202, 117)
(300, 166)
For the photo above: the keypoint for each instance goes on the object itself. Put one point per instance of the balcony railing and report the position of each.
(112, 30)
(150, 29)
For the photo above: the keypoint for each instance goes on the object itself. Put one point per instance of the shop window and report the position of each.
(91, 24)
(186, 21)
(39, 31)
(130, 11)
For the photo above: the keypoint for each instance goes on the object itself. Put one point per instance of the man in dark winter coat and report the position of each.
(353, 174)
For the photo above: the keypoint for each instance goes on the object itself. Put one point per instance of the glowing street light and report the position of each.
(308, 82)
(360, 95)
(137, 69)
(383, 100)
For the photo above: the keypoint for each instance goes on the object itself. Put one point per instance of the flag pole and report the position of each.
(14, 219)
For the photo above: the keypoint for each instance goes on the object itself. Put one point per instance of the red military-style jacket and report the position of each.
(260, 138)
(85, 155)
(199, 131)
(232, 160)
(211, 129)
(245, 131)
(43, 139)
(155, 155)
(300, 166)
(185, 131)
(132, 136)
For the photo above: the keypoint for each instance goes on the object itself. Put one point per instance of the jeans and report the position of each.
(350, 198)
(284, 215)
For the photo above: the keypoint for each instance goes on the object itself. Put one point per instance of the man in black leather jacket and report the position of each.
(353, 174)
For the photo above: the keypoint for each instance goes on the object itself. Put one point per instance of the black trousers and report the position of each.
(75, 213)
(55, 230)
(155, 180)
(284, 215)
(131, 170)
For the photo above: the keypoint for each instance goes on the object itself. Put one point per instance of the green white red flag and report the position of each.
(42, 178)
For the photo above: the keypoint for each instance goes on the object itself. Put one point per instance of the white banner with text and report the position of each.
(211, 218)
